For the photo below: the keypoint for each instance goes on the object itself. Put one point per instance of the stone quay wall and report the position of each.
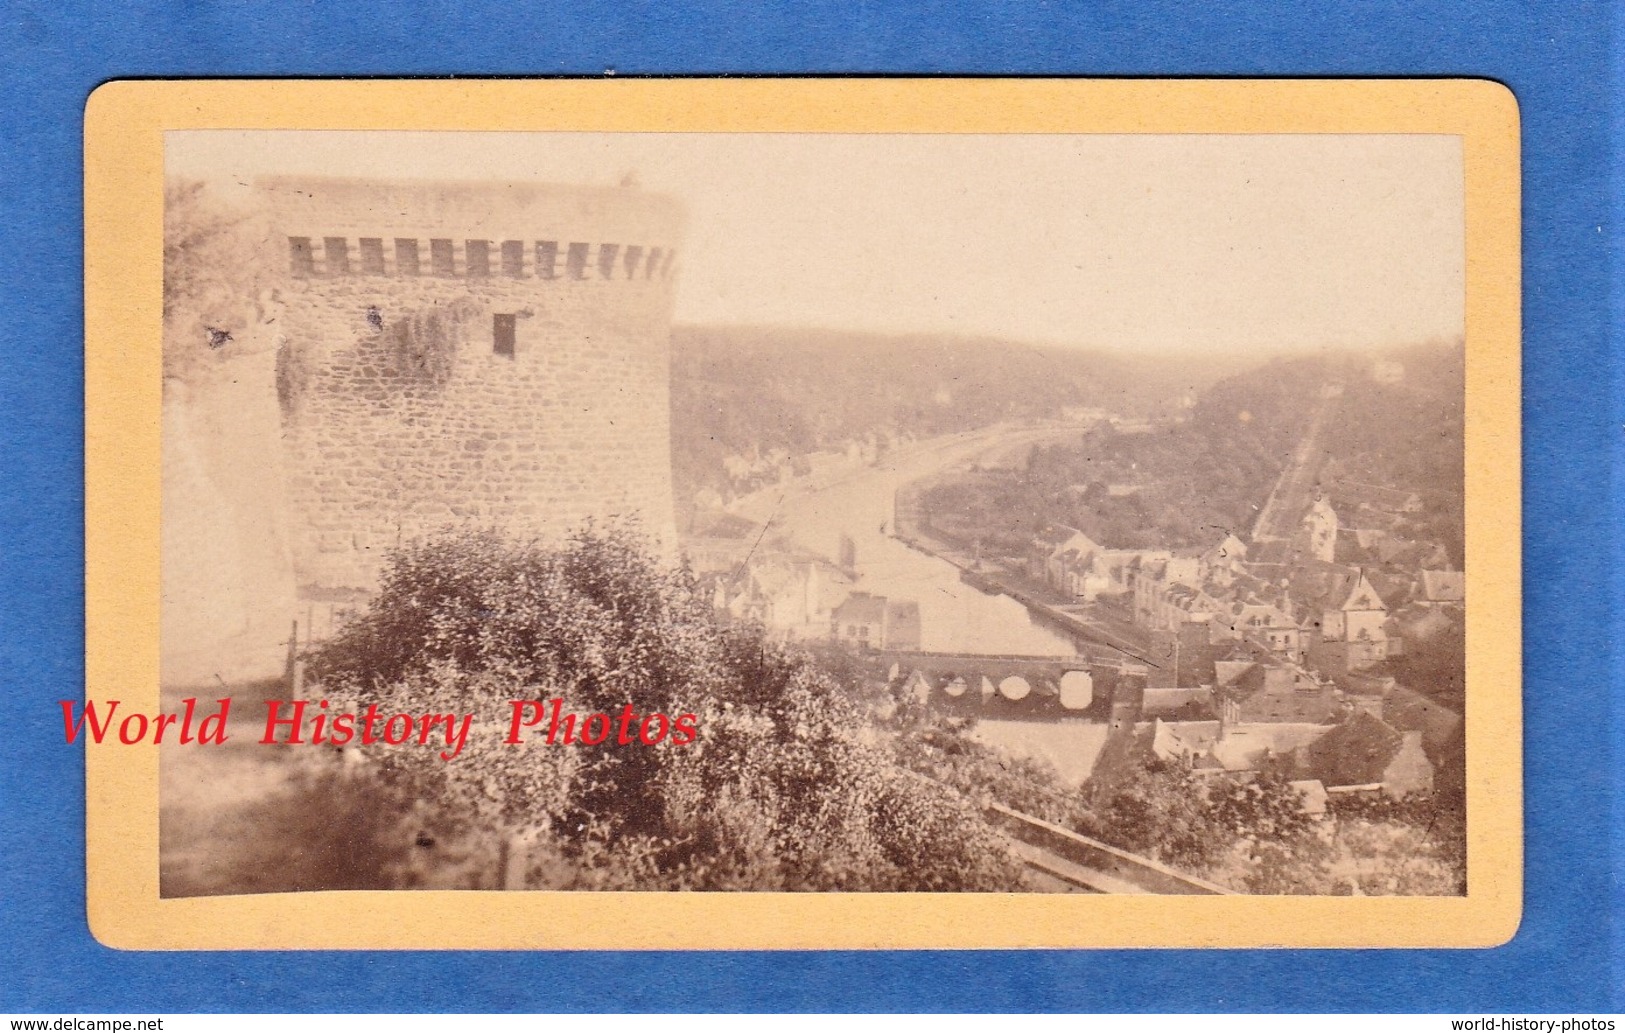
(470, 355)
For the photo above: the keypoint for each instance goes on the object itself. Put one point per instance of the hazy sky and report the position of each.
(1167, 242)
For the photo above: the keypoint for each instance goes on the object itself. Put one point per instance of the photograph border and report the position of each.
(124, 127)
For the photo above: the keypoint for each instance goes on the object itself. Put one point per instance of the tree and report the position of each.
(1265, 808)
(1152, 807)
(1248, 830)
(1274, 836)
(779, 790)
(218, 280)
(1161, 811)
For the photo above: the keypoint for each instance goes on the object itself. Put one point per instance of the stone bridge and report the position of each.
(1010, 686)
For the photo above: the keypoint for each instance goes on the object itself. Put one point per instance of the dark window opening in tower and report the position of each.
(502, 334)
(372, 256)
(547, 259)
(441, 262)
(607, 253)
(303, 258)
(665, 266)
(406, 257)
(513, 258)
(477, 257)
(654, 262)
(338, 255)
(576, 261)
(634, 256)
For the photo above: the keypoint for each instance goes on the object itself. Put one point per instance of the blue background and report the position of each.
(1555, 57)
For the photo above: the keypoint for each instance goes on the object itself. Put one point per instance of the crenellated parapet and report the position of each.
(451, 258)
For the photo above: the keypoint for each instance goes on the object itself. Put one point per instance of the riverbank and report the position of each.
(990, 577)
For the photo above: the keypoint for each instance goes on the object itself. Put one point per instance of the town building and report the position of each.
(1366, 752)
(875, 622)
(1266, 693)
(1228, 747)
(1345, 616)
(719, 542)
(793, 597)
(1359, 754)
(1442, 589)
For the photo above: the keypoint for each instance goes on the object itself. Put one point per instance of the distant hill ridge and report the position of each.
(1191, 481)
(745, 390)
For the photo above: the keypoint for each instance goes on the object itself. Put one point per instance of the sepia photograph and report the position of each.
(812, 513)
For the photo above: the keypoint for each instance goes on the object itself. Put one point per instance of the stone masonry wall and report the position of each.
(573, 424)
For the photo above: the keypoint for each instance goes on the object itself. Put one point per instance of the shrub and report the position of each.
(779, 791)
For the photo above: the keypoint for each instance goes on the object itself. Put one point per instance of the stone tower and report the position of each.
(480, 354)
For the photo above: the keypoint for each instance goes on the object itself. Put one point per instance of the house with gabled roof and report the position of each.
(1343, 612)
(876, 622)
(1269, 558)
(1227, 552)
(1409, 711)
(1365, 751)
(1052, 542)
(1178, 704)
(1267, 623)
(793, 597)
(1276, 692)
(719, 542)
(1230, 664)
(1217, 747)
(1076, 565)
(1168, 592)
(1439, 588)
(1414, 625)
(1317, 533)
(1063, 558)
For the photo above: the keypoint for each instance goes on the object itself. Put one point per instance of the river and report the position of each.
(954, 617)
